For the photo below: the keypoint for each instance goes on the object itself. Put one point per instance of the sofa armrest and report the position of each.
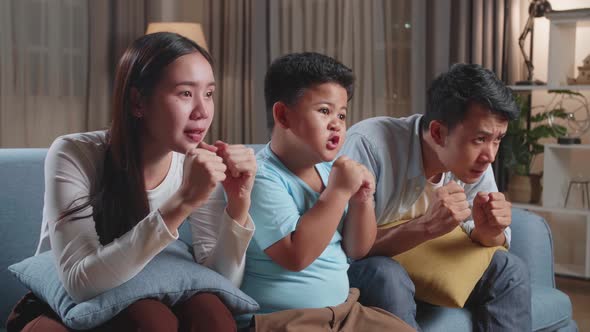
(532, 242)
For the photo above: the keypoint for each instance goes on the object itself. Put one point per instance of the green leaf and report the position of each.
(559, 113)
(556, 113)
(559, 130)
(521, 145)
(566, 92)
(540, 132)
(537, 148)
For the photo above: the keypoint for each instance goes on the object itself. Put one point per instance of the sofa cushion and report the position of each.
(531, 241)
(446, 269)
(552, 309)
(172, 276)
(21, 204)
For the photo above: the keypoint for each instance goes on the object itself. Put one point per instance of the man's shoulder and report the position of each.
(384, 124)
(383, 132)
(382, 136)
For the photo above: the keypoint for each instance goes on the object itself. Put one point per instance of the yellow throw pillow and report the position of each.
(446, 269)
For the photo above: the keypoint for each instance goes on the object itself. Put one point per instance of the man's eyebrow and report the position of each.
(487, 133)
(484, 132)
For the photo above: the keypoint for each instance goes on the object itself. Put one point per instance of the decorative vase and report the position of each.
(525, 188)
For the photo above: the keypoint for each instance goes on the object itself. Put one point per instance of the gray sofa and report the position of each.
(21, 203)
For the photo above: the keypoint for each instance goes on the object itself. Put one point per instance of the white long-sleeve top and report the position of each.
(73, 168)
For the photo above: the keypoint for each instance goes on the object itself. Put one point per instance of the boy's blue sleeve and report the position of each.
(273, 209)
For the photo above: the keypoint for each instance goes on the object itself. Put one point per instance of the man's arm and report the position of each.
(491, 213)
(396, 240)
(447, 210)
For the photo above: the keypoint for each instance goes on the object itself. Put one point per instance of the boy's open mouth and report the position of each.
(333, 142)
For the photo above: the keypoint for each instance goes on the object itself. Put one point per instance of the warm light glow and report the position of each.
(192, 31)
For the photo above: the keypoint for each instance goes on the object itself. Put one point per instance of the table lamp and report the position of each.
(537, 8)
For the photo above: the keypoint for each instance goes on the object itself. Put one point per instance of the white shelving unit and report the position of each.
(570, 225)
(562, 164)
(563, 27)
(562, 44)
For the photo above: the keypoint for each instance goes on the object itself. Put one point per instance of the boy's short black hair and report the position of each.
(451, 93)
(288, 76)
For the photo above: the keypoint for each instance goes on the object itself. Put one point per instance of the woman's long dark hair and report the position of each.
(120, 200)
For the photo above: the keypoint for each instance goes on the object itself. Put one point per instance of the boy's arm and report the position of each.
(360, 226)
(317, 226)
(315, 229)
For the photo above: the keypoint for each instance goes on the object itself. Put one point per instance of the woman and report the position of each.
(114, 199)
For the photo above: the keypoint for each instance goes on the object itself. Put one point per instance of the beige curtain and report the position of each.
(128, 21)
(57, 61)
(244, 36)
(228, 26)
(43, 59)
(372, 37)
(98, 99)
(113, 26)
(475, 31)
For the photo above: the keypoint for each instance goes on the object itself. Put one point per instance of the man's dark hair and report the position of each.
(451, 93)
(290, 75)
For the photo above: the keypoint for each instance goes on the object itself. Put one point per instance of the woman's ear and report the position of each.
(438, 131)
(279, 113)
(136, 103)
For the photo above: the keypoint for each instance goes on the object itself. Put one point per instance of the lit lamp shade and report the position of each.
(192, 31)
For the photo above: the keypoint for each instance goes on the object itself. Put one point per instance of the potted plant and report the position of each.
(521, 146)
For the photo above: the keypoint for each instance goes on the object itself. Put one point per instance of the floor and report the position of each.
(579, 292)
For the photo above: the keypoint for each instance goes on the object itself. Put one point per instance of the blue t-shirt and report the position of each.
(279, 199)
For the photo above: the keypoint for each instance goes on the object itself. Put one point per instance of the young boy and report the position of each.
(311, 212)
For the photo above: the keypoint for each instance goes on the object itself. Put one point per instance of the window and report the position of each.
(52, 42)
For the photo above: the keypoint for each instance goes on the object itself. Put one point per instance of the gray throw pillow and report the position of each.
(171, 277)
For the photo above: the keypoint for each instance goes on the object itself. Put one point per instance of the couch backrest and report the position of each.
(21, 205)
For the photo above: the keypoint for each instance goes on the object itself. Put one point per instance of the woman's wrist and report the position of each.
(237, 209)
(175, 210)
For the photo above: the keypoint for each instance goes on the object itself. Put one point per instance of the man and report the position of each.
(435, 171)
